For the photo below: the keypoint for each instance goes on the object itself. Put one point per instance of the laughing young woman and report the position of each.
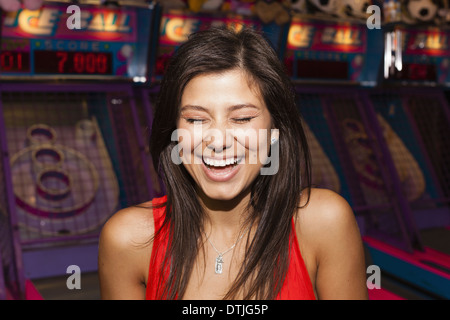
(225, 230)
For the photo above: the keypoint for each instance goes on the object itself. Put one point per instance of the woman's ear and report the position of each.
(275, 134)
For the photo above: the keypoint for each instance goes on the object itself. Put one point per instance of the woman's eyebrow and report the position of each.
(241, 106)
(193, 107)
(229, 109)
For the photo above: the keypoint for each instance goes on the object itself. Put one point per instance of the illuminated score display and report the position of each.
(69, 62)
(57, 62)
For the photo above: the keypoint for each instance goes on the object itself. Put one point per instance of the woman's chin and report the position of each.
(223, 193)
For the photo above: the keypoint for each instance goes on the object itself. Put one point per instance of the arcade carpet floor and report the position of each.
(437, 238)
(55, 288)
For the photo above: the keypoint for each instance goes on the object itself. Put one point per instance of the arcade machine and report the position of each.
(72, 131)
(358, 148)
(415, 120)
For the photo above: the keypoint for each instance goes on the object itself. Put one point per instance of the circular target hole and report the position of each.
(41, 133)
(48, 156)
(53, 184)
(54, 180)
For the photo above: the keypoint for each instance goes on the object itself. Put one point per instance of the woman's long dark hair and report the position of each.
(274, 198)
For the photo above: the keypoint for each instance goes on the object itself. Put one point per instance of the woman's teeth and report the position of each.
(220, 163)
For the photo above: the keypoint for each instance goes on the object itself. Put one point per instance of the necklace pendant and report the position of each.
(219, 262)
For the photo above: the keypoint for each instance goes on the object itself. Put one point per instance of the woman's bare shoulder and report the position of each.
(323, 207)
(324, 216)
(125, 251)
(330, 239)
(130, 226)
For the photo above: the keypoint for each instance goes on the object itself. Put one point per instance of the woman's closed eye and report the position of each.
(243, 119)
(195, 120)
(202, 120)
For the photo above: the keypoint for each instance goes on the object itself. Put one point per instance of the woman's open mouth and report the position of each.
(221, 169)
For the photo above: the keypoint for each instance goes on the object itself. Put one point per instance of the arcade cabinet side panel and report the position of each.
(12, 282)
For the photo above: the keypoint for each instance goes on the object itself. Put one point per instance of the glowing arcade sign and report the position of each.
(109, 42)
(430, 42)
(175, 29)
(306, 36)
(326, 51)
(96, 24)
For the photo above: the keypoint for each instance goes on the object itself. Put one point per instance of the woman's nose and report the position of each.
(218, 140)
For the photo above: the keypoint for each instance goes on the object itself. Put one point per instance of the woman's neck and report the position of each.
(225, 219)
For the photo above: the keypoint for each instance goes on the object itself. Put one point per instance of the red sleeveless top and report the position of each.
(297, 285)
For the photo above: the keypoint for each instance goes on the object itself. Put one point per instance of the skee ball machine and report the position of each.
(413, 110)
(379, 144)
(73, 135)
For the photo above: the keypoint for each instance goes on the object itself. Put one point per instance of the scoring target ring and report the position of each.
(79, 170)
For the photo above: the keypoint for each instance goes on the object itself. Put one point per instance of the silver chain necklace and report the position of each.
(218, 269)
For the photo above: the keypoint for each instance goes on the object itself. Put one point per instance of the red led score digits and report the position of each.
(56, 62)
(68, 62)
(82, 62)
(14, 61)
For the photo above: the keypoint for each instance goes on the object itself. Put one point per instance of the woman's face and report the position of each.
(224, 131)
